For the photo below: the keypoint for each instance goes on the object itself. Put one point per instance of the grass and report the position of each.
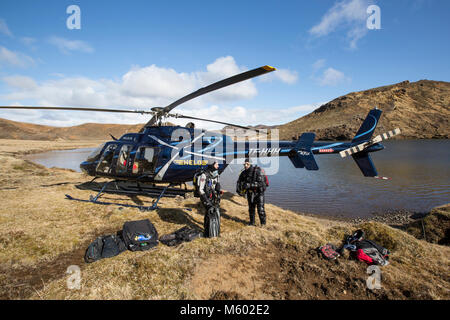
(434, 228)
(42, 234)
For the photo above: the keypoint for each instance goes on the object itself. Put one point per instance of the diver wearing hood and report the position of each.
(210, 192)
(209, 186)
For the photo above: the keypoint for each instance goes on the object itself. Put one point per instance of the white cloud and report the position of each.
(15, 59)
(319, 64)
(66, 46)
(284, 75)
(332, 77)
(162, 85)
(329, 76)
(222, 68)
(142, 88)
(153, 81)
(139, 88)
(29, 42)
(4, 28)
(20, 82)
(347, 14)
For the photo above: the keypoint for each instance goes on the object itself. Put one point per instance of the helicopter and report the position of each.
(172, 154)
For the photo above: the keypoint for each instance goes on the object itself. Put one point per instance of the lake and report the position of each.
(419, 172)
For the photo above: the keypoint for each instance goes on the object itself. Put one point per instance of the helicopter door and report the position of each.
(106, 162)
(145, 162)
(124, 159)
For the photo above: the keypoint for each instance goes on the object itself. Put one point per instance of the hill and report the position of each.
(27, 131)
(420, 109)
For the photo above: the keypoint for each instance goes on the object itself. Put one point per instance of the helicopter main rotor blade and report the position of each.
(217, 85)
(215, 121)
(77, 109)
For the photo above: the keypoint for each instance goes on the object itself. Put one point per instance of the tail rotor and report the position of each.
(363, 144)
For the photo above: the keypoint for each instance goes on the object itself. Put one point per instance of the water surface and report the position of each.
(419, 172)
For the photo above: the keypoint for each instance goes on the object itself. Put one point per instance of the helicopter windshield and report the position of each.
(105, 164)
(94, 154)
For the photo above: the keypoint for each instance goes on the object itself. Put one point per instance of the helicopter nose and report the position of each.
(86, 167)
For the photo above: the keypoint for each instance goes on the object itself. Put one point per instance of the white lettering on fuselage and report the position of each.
(264, 151)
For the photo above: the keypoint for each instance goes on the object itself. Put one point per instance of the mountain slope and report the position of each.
(27, 131)
(420, 109)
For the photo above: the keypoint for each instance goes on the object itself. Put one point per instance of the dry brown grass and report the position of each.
(42, 233)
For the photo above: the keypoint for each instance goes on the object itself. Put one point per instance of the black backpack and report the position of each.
(104, 247)
(139, 235)
(195, 181)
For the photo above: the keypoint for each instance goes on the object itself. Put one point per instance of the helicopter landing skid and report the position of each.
(102, 190)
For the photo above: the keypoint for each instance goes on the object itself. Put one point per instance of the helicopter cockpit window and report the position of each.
(124, 159)
(105, 164)
(94, 154)
(145, 160)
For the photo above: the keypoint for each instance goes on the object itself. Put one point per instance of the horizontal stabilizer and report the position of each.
(308, 160)
(304, 158)
(296, 161)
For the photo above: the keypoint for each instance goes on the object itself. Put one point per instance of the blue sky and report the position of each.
(140, 54)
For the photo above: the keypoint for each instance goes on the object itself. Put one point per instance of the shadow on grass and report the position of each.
(178, 216)
(223, 213)
(229, 196)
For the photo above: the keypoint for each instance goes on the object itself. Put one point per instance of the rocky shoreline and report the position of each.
(393, 217)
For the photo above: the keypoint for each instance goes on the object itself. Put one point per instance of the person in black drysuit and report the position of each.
(252, 183)
(210, 192)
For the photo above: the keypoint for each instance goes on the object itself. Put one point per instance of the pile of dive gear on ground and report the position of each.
(138, 235)
(360, 249)
(142, 235)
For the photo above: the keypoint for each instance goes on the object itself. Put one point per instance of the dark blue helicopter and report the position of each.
(172, 154)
